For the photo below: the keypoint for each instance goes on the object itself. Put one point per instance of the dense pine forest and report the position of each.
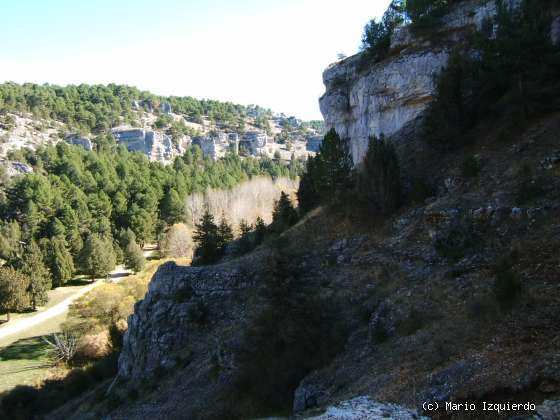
(95, 108)
(81, 212)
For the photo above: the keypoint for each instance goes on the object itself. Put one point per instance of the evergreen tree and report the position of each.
(14, 286)
(308, 196)
(260, 230)
(10, 240)
(225, 234)
(245, 237)
(134, 257)
(284, 214)
(39, 276)
(330, 171)
(59, 261)
(205, 237)
(97, 259)
(244, 227)
(425, 13)
(172, 207)
(379, 182)
(125, 237)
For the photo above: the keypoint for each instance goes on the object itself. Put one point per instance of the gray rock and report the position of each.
(363, 408)
(516, 213)
(306, 397)
(549, 410)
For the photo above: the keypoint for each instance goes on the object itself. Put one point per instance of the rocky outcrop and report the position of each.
(179, 302)
(388, 97)
(363, 408)
(14, 168)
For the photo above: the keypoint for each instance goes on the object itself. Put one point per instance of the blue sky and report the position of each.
(270, 53)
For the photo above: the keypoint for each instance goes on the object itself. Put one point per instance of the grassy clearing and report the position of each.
(24, 362)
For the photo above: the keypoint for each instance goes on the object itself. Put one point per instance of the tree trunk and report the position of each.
(7, 317)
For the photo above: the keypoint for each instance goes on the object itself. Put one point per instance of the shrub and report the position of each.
(63, 346)
(20, 401)
(93, 346)
(454, 242)
(530, 187)
(412, 323)
(376, 39)
(296, 333)
(78, 381)
(470, 167)
(420, 190)
(507, 286)
(198, 313)
(425, 14)
(378, 181)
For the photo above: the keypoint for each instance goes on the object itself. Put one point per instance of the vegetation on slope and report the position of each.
(95, 108)
(76, 207)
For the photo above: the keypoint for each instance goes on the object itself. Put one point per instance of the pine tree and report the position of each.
(334, 166)
(329, 174)
(126, 236)
(134, 257)
(245, 237)
(39, 276)
(172, 207)
(244, 227)
(14, 286)
(284, 214)
(205, 237)
(225, 234)
(98, 258)
(59, 261)
(260, 230)
(308, 196)
(10, 237)
(379, 177)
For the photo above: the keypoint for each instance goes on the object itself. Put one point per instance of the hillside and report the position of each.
(160, 127)
(421, 268)
(412, 303)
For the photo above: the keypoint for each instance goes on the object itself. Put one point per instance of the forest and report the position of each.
(96, 108)
(83, 212)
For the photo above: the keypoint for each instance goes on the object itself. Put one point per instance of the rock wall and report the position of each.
(392, 94)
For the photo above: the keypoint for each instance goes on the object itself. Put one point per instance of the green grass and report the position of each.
(23, 358)
(24, 362)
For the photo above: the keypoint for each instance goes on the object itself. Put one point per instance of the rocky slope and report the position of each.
(406, 310)
(414, 298)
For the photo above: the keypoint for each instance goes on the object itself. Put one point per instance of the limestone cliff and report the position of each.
(384, 98)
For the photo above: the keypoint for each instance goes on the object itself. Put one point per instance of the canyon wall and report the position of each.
(391, 95)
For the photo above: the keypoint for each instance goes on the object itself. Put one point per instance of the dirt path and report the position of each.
(18, 325)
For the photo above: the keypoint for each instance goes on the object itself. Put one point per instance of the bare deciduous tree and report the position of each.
(247, 201)
(62, 347)
(178, 242)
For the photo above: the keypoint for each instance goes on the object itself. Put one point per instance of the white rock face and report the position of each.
(392, 93)
(382, 101)
(363, 408)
